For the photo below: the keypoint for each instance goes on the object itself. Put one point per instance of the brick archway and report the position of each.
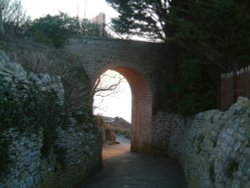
(141, 107)
(140, 62)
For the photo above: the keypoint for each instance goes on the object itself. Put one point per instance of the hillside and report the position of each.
(119, 125)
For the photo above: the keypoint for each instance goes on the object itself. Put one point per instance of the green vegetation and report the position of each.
(5, 160)
(232, 168)
(55, 30)
(13, 20)
(142, 18)
(23, 107)
(215, 35)
(209, 37)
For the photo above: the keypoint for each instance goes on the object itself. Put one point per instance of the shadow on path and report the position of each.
(123, 169)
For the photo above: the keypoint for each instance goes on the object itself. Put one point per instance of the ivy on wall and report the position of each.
(24, 106)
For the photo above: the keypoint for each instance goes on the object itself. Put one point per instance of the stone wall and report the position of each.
(78, 153)
(75, 153)
(41, 59)
(213, 147)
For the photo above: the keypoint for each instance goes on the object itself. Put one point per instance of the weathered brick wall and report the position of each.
(213, 147)
(144, 58)
(227, 90)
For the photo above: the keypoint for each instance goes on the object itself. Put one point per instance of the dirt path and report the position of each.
(123, 169)
(114, 150)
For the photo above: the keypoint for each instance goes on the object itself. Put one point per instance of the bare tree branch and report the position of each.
(107, 85)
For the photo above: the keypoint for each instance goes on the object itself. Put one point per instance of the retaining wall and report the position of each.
(213, 147)
(75, 152)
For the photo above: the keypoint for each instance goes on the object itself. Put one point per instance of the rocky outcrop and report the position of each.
(213, 147)
(41, 156)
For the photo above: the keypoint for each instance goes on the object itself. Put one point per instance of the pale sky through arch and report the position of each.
(115, 105)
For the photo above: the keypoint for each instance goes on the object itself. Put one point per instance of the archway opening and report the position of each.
(141, 120)
(112, 96)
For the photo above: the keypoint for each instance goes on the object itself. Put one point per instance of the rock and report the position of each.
(213, 148)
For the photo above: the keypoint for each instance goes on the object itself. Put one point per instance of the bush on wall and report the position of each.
(24, 106)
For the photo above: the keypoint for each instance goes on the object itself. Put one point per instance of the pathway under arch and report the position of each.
(141, 107)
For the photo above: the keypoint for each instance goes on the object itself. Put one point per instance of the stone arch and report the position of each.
(141, 106)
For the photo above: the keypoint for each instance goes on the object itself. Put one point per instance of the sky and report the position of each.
(118, 105)
(90, 8)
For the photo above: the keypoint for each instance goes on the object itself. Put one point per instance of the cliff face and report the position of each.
(41, 145)
(213, 147)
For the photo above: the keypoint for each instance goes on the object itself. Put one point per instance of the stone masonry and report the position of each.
(78, 146)
(213, 147)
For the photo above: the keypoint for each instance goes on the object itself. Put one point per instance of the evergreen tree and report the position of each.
(214, 37)
(141, 17)
(55, 30)
(210, 37)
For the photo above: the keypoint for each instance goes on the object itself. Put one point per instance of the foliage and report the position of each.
(196, 90)
(5, 160)
(58, 62)
(55, 30)
(88, 28)
(23, 106)
(60, 154)
(13, 19)
(216, 32)
(74, 78)
(143, 18)
(213, 36)
(210, 37)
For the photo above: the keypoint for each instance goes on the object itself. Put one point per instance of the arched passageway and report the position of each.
(141, 107)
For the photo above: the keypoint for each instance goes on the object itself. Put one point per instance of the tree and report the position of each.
(12, 17)
(213, 37)
(91, 29)
(143, 18)
(210, 37)
(108, 84)
(55, 30)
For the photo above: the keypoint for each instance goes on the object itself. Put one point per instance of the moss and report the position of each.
(60, 154)
(23, 106)
(231, 168)
(212, 174)
(248, 127)
(5, 161)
